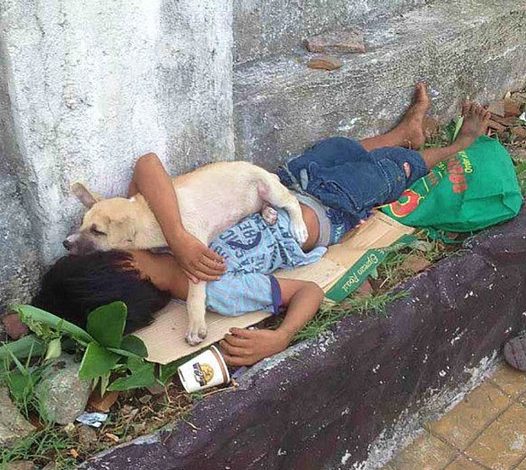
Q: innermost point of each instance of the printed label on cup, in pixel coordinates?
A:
(207, 369)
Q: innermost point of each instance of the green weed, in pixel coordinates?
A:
(49, 444)
(331, 313)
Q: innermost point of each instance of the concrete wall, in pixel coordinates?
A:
(472, 48)
(274, 27)
(87, 86)
(19, 264)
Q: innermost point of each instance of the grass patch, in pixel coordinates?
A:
(50, 444)
(130, 417)
(331, 313)
(391, 273)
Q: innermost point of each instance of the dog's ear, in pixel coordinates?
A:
(84, 195)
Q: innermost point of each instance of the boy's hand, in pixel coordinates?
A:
(246, 347)
(199, 262)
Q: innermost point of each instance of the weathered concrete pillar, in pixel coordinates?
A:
(91, 85)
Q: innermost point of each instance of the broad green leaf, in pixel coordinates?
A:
(131, 346)
(133, 364)
(94, 383)
(123, 352)
(97, 361)
(43, 331)
(106, 324)
(54, 349)
(20, 386)
(29, 313)
(24, 347)
(22, 380)
(167, 371)
(21, 368)
(135, 345)
(142, 375)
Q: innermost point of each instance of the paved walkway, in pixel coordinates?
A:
(487, 430)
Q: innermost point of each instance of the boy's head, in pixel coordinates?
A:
(76, 285)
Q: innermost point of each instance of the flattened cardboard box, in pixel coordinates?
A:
(164, 338)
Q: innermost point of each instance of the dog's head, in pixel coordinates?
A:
(109, 224)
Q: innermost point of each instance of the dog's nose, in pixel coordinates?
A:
(67, 244)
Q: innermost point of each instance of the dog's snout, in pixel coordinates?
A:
(67, 244)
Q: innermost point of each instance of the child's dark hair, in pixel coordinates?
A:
(76, 285)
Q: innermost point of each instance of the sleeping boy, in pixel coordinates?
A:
(338, 182)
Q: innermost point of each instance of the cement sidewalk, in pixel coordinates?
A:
(487, 430)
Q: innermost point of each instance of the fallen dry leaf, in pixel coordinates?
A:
(364, 290)
(145, 399)
(156, 389)
(112, 437)
(14, 326)
(69, 429)
(102, 404)
(497, 126)
(415, 264)
(497, 107)
(519, 132)
(505, 121)
(512, 108)
(518, 153)
(87, 437)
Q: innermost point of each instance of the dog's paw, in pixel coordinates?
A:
(299, 231)
(202, 332)
(196, 334)
(269, 214)
(193, 338)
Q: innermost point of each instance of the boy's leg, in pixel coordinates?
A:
(409, 131)
(476, 120)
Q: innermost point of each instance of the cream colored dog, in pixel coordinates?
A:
(211, 199)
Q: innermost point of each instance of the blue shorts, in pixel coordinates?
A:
(342, 175)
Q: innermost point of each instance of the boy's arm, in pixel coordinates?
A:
(246, 347)
(152, 181)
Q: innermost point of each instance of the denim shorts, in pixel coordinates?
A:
(345, 177)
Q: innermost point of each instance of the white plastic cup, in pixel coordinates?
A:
(205, 370)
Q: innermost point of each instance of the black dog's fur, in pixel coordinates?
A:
(76, 285)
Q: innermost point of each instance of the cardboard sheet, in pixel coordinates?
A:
(164, 338)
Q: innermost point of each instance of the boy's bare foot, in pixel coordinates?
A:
(476, 120)
(411, 126)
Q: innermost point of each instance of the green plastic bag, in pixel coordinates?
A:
(474, 190)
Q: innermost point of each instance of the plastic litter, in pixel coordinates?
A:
(94, 420)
